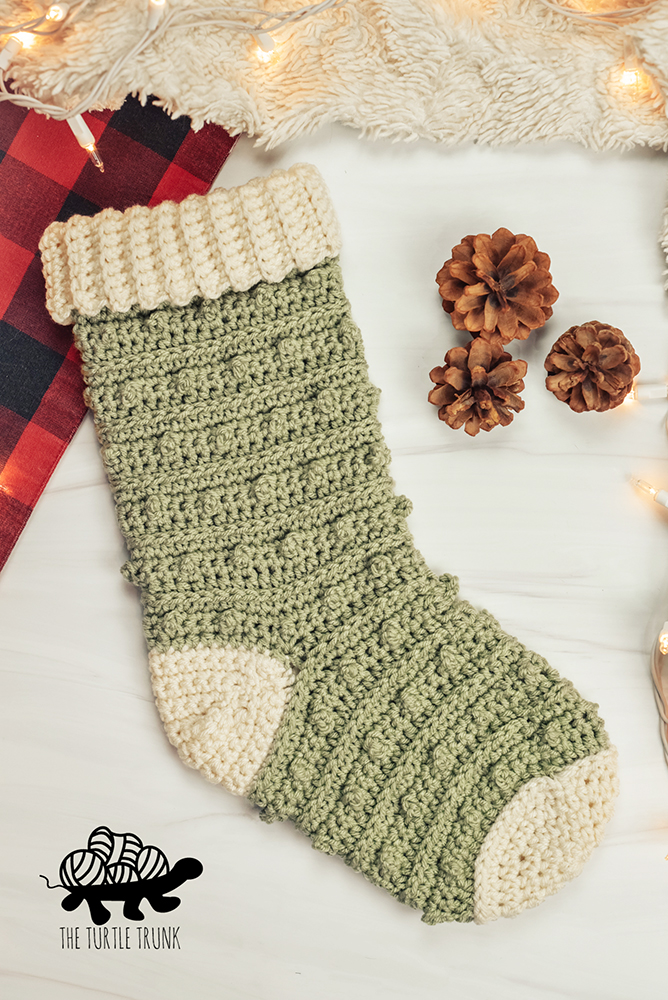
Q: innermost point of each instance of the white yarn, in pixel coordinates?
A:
(544, 836)
(221, 708)
(206, 245)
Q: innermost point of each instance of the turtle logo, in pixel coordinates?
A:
(117, 866)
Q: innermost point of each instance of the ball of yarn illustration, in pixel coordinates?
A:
(151, 863)
(113, 847)
(101, 841)
(82, 868)
(112, 859)
(121, 872)
(129, 849)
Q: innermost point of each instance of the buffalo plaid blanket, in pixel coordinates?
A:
(45, 175)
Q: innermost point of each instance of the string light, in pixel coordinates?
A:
(656, 667)
(34, 26)
(10, 49)
(658, 496)
(58, 12)
(26, 38)
(631, 78)
(60, 16)
(595, 12)
(636, 82)
(160, 18)
(642, 391)
(86, 140)
(16, 41)
(265, 46)
(156, 9)
(662, 640)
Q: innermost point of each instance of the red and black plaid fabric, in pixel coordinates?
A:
(45, 175)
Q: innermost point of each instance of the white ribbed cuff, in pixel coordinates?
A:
(204, 246)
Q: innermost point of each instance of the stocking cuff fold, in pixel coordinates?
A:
(206, 245)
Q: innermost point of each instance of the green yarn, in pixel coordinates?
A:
(251, 482)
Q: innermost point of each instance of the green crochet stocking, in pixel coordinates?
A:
(302, 652)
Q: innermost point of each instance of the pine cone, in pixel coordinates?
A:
(591, 367)
(478, 386)
(498, 286)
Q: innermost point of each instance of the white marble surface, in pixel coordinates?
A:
(537, 520)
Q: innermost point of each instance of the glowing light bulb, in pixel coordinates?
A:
(19, 40)
(25, 38)
(633, 82)
(630, 77)
(265, 46)
(95, 157)
(645, 488)
(658, 496)
(58, 12)
(630, 397)
(86, 140)
(663, 640)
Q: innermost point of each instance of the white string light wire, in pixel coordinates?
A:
(252, 20)
(633, 75)
(256, 22)
(614, 17)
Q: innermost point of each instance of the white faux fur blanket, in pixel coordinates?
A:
(453, 71)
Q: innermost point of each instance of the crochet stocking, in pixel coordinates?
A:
(302, 652)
